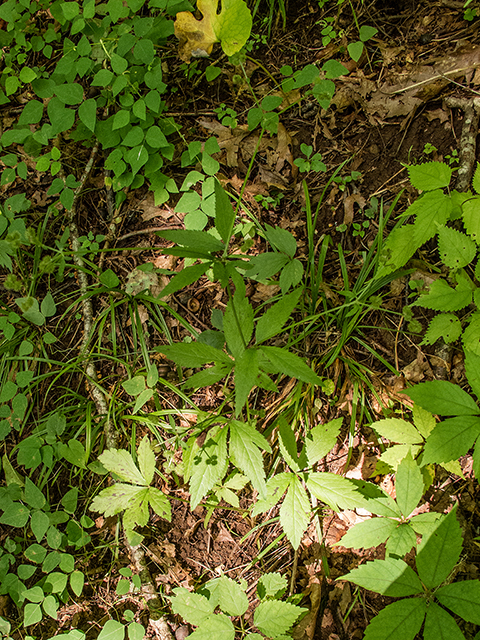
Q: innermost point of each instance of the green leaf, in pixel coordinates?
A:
(334, 69)
(199, 240)
(146, 460)
(87, 112)
(69, 93)
(39, 524)
(400, 620)
(288, 363)
(184, 278)
(295, 513)
(321, 439)
(366, 32)
(115, 499)
(432, 210)
(15, 515)
(156, 138)
(224, 213)
(424, 523)
(274, 617)
(77, 581)
(288, 444)
(215, 626)
(102, 78)
(194, 354)
(472, 370)
(276, 487)
(266, 265)
(208, 376)
(338, 492)
(390, 577)
(245, 442)
(209, 465)
(160, 503)
(33, 496)
(112, 630)
(121, 463)
(271, 585)
(238, 323)
(35, 553)
(231, 597)
(355, 50)
(192, 607)
(439, 551)
(397, 430)
(471, 217)
(397, 249)
(430, 175)
(439, 625)
(272, 321)
(246, 373)
(443, 398)
(444, 325)
(442, 297)
(463, 598)
(32, 614)
(401, 541)
(408, 485)
(456, 249)
(369, 533)
(451, 439)
(50, 606)
(32, 113)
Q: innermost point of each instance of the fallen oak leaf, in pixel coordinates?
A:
(231, 27)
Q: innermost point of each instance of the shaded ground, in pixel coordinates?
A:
(376, 144)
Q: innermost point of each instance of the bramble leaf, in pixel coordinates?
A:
(442, 297)
(401, 541)
(443, 325)
(115, 499)
(208, 465)
(192, 607)
(274, 617)
(430, 175)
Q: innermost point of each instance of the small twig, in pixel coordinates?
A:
(471, 108)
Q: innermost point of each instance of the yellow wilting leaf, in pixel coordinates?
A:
(231, 27)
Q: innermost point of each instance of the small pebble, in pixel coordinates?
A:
(182, 632)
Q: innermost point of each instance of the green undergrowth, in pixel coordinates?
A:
(98, 370)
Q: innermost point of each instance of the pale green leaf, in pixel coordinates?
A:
(476, 179)
(400, 620)
(401, 541)
(369, 533)
(32, 614)
(444, 325)
(408, 485)
(338, 492)
(233, 25)
(430, 175)
(209, 465)
(443, 297)
(432, 209)
(451, 439)
(245, 441)
(231, 597)
(77, 581)
(423, 420)
(424, 523)
(137, 512)
(192, 607)
(397, 430)
(295, 512)
(439, 551)
(274, 617)
(218, 626)
(160, 503)
(455, 248)
(439, 625)
(395, 454)
(112, 630)
(114, 499)
(146, 460)
(397, 249)
(321, 440)
(288, 443)
(276, 487)
(443, 398)
(121, 463)
(271, 585)
(471, 334)
(463, 598)
(390, 577)
(471, 217)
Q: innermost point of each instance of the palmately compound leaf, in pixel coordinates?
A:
(115, 499)
(439, 625)
(274, 617)
(295, 512)
(272, 321)
(390, 577)
(136, 512)
(193, 354)
(442, 297)
(439, 551)
(121, 463)
(276, 487)
(397, 452)
(244, 447)
(451, 439)
(338, 492)
(398, 621)
(430, 175)
(146, 460)
(423, 420)
(288, 363)
(208, 465)
(369, 533)
(444, 325)
(397, 430)
(231, 597)
(217, 626)
(456, 249)
(192, 607)
(424, 523)
(408, 485)
(231, 27)
(463, 598)
(443, 398)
